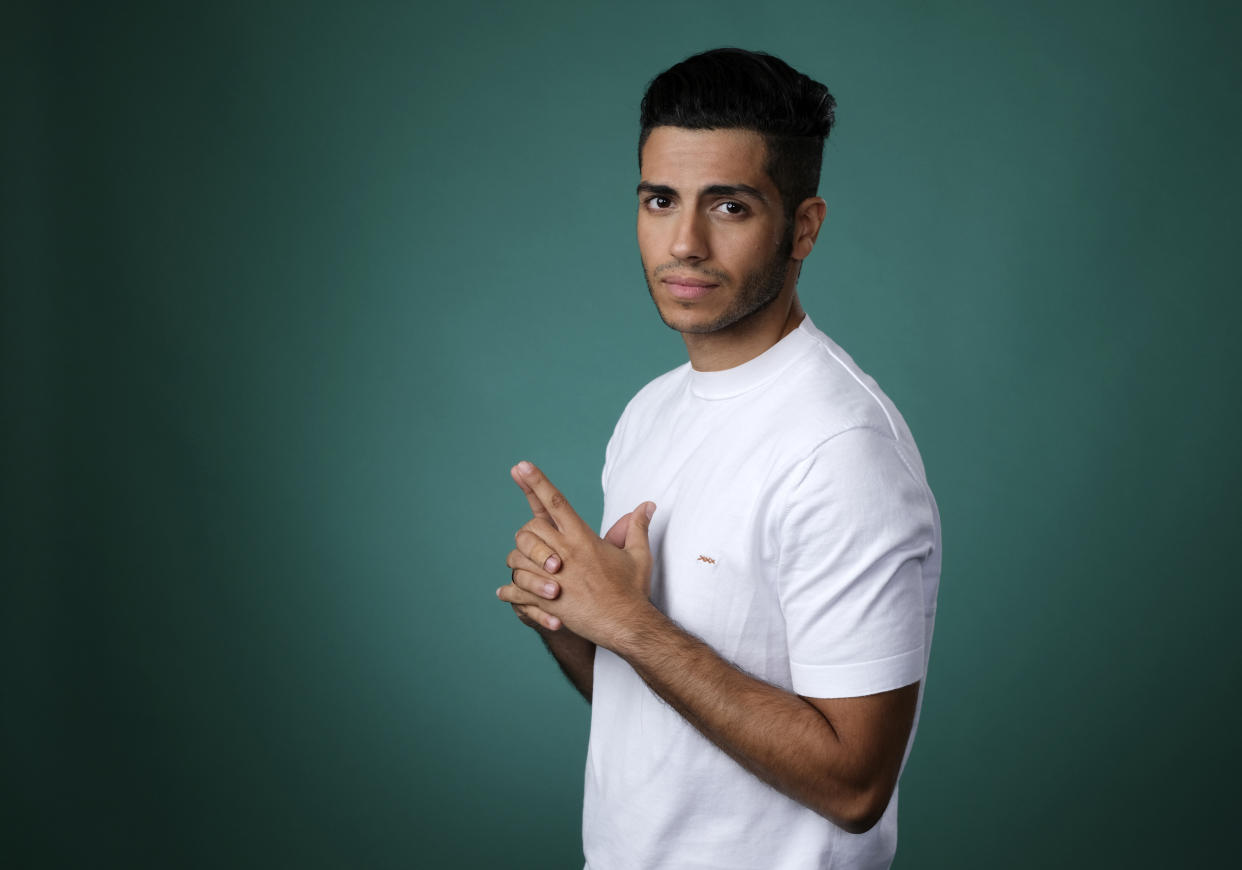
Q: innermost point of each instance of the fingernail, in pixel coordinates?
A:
(525, 467)
(549, 589)
(650, 509)
(554, 623)
(552, 564)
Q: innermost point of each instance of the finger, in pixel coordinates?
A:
(520, 597)
(544, 529)
(527, 576)
(519, 610)
(565, 517)
(520, 561)
(616, 535)
(537, 508)
(537, 550)
(640, 522)
(536, 618)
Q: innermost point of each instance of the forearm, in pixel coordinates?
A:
(776, 735)
(575, 655)
(838, 756)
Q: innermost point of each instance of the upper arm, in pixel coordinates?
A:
(854, 536)
(871, 732)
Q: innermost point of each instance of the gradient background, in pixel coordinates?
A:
(288, 287)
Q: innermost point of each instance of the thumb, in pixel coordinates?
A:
(616, 535)
(640, 521)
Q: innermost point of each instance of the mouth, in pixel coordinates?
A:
(687, 287)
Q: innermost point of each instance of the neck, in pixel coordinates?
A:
(746, 339)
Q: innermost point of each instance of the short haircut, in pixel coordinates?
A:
(731, 88)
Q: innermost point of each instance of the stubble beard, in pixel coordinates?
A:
(759, 290)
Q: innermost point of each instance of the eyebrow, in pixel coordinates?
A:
(710, 190)
(655, 189)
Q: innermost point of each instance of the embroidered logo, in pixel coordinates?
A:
(708, 559)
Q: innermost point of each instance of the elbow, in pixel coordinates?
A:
(859, 823)
(860, 812)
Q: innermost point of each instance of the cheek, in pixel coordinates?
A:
(751, 254)
(648, 247)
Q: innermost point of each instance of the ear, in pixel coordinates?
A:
(807, 220)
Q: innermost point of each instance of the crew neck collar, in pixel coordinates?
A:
(754, 372)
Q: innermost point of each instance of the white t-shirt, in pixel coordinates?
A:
(795, 533)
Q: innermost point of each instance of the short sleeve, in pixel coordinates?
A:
(856, 529)
(613, 447)
(610, 460)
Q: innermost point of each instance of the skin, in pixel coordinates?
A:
(708, 211)
(708, 215)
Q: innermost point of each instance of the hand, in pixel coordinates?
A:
(602, 585)
(532, 550)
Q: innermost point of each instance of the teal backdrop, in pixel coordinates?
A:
(287, 288)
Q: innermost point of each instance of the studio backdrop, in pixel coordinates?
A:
(288, 287)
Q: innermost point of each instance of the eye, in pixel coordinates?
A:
(732, 208)
(658, 203)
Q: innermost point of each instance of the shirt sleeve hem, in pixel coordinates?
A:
(856, 680)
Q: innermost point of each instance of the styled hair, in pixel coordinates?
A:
(731, 88)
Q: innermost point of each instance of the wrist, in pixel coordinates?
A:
(637, 630)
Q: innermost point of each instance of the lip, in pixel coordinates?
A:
(686, 287)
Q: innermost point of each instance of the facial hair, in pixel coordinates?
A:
(758, 290)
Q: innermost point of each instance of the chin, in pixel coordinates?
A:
(697, 320)
(685, 318)
(694, 323)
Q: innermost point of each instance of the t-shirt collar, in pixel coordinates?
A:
(754, 372)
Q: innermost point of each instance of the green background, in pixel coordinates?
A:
(288, 287)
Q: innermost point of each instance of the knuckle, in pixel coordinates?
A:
(557, 500)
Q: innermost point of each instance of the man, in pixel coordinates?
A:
(753, 650)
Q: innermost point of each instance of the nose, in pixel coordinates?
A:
(689, 242)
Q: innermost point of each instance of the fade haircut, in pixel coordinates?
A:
(731, 88)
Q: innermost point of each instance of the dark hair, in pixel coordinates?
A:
(733, 88)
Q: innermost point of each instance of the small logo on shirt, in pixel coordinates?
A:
(708, 559)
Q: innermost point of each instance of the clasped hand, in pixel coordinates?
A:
(565, 574)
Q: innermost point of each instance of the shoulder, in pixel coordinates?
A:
(848, 451)
(655, 398)
(647, 405)
(661, 388)
(837, 393)
(825, 394)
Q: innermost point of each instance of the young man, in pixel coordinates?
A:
(753, 650)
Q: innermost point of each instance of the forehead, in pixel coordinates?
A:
(685, 159)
